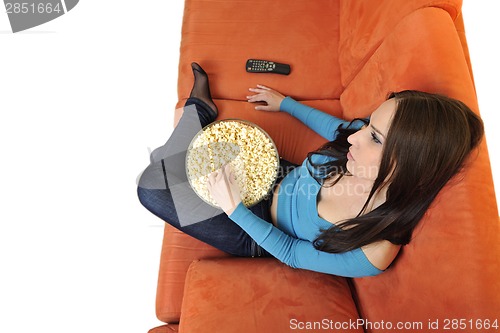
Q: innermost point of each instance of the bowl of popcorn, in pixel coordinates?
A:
(246, 147)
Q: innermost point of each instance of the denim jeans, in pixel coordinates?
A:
(165, 191)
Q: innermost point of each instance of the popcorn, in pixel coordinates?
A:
(248, 149)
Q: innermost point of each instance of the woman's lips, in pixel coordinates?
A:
(349, 156)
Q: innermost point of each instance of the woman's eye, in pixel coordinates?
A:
(375, 138)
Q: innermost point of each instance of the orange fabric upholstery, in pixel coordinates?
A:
(165, 329)
(365, 24)
(259, 295)
(346, 56)
(449, 246)
(424, 60)
(222, 35)
(178, 251)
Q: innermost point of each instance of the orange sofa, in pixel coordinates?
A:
(346, 56)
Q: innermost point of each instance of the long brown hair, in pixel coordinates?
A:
(429, 139)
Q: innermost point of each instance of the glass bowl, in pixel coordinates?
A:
(248, 149)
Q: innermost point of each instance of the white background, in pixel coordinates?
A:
(82, 100)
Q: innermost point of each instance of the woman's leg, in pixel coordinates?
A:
(218, 231)
(168, 168)
(165, 191)
(199, 111)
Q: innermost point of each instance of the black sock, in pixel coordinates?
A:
(201, 90)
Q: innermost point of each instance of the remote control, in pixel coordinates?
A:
(266, 66)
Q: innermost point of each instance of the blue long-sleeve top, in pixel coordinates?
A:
(298, 221)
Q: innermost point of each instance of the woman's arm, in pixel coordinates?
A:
(299, 253)
(294, 252)
(322, 123)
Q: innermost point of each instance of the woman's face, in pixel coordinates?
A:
(365, 153)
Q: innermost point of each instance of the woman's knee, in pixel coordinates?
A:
(144, 196)
(156, 201)
(153, 177)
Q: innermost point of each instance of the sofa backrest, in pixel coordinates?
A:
(222, 35)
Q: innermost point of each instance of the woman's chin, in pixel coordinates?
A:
(361, 172)
(349, 166)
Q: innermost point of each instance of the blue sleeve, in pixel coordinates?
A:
(322, 123)
(299, 253)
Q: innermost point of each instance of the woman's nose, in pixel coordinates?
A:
(352, 138)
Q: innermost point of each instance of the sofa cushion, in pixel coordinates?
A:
(263, 295)
(364, 24)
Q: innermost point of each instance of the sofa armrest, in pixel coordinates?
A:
(364, 24)
(178, 251)
(264, 295)
(422, 52)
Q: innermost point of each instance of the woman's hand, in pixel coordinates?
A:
(224, 189)
(264, 94)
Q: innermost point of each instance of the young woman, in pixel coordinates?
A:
(348, 208)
